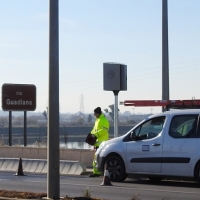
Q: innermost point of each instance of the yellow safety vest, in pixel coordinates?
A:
(101, 129)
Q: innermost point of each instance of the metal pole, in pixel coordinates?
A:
(10, 128)
(53, 153)
(116, 113)
(165, 56)
(25, 128)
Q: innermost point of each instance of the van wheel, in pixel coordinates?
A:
(116, 169)
(197, 173)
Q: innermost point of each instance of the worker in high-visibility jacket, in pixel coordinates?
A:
(101, 131)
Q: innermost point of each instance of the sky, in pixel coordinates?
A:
(93, 32)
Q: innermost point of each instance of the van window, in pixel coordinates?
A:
(150, 128)
(183, 126)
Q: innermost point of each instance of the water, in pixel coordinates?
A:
(68, 145)
(76, 145)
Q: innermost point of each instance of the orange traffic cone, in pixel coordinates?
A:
(20, 169)
(106, 177)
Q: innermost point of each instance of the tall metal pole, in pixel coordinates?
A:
(165, 56)
(53, 154)
(116, 113)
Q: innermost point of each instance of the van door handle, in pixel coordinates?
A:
(155, 144)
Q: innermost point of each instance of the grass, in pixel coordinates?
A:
(22, 195)
(32, 195)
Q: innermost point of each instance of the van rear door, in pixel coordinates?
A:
(181, 147)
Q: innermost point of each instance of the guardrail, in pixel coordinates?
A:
(39, 166)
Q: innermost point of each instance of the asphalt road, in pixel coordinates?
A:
(140, 189)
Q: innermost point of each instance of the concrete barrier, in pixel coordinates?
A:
(84, 156)
(40, 166)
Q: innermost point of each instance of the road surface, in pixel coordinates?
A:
(74, 186)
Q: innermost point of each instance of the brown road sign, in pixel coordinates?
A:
(18, 97)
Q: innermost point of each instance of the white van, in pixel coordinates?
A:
(161, 146)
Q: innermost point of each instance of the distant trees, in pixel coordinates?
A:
(32, 120)
(18, 121)
(3, 122)
(80, 121)
(89, 118)
(112, 111)
(70, 119)
(45, 114)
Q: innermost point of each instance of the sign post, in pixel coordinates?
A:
(115, 79)
(18, 97)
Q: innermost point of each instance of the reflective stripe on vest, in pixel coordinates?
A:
(103, 127)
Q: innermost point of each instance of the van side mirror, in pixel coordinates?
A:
(133, 136)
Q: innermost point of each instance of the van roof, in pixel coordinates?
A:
(177, 111)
